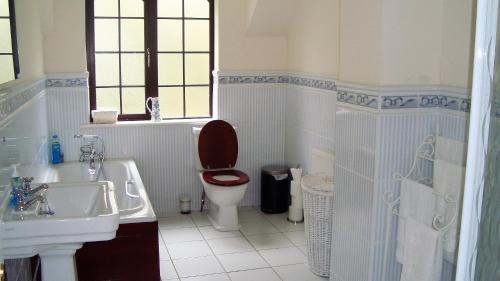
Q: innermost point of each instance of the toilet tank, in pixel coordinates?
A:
(196, 135)
(323, 161)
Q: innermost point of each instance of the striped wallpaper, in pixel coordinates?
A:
(371, 147)
(280, 123)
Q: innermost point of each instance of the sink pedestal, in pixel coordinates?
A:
(58, 263)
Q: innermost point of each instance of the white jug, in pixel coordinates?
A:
(154, 110)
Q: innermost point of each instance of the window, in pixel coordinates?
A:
(9, 62)
(153, 48)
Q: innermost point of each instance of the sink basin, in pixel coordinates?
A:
(83, 212)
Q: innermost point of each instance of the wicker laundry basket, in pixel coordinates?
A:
(318, 217)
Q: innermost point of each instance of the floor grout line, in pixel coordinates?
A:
(260, 216)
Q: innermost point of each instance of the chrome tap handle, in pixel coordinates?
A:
(27, 184)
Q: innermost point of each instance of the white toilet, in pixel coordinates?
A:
(216, 152)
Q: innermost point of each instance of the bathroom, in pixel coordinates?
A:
(376, 86)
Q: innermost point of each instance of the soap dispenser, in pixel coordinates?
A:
(15, 184)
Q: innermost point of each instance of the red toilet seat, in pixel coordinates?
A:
(209, 176)
(217, 146)
(218, 152)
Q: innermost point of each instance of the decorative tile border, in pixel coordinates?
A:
(313, 83)
(11, 101)
(359, 99)
(387, 102)
(366, 97)
(248, 79)
(426, 101)
(284, 79)
(67, 82)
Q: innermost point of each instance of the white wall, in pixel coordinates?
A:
(64, 38)
(313, 38)
(359, 41)
(410, 45)
(384, 42)
(239, 51)
(458, 42)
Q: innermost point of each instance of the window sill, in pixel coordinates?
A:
(120, 124)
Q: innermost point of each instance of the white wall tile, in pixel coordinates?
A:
(257, 110)
(310, 122)
(23, 139)
(356, 140)
(67, 108)
(164, 154)
(23, 136)
(375, 146)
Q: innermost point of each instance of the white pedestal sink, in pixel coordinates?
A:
(83, 212)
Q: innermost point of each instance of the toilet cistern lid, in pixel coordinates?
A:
(218, 145)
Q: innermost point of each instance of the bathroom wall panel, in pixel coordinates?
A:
(310, 122)
(164, 153)
(23, 136)
(454, 125)
(68, 108)
(374, 145)
(351, 242)
(356, 140)
(382, 217)
(400, 134)
(257, 110)
(23, 139)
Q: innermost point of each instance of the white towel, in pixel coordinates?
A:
(449, 150)
(449, 179)
(423, 258)
(417, 201)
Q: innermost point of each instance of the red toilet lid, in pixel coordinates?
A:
(218, 145)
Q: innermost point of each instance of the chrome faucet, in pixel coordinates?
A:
(27, 196)
(89, 152)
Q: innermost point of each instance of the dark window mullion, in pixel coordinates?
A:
(13, 38)
(151, 42)
(90, 34)
(118, 86)
(185, 52)
(211, 55)
(114, 18)
(119, 55)
(118, 52)
(183, 63)
(182, 18)
(194, 85)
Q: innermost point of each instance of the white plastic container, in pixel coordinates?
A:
(185, 204)
(105, 116)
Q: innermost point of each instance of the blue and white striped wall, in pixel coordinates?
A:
(279, 119)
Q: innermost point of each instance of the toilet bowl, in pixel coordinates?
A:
(216, 152)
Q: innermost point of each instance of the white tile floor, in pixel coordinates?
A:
(267, 247)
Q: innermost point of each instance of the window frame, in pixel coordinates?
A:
(13, 38)
(151, 72)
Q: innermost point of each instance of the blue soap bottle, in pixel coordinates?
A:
(56, 150)
(15, 183)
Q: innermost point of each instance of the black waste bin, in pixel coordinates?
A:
(275, 189)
